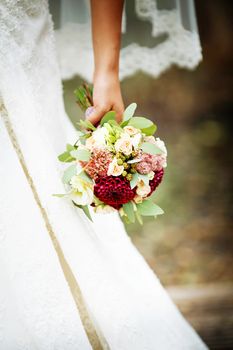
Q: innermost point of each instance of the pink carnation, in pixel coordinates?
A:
(150, 163)
(98, 163)
(159, 162)
(144, 168)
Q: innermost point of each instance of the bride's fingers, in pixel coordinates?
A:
(119, 113)
(96, 114)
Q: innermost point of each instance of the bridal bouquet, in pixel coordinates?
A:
(114, 166)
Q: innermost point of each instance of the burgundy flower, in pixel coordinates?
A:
(156, 181)
(113, 190)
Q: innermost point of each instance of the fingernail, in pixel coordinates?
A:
(89, 111)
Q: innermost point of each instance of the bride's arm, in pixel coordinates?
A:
(106, 34)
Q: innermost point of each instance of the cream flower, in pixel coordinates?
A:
(138, 199)
(97, 139)
(124, 144)
(130, 130)
(142, 189)
(151, 175)
(82, 191)
(115, 169)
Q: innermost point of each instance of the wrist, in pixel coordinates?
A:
(106, 72)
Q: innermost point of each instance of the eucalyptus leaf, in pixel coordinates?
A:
(81, 154)
(69, 147)
(129, 211)
(86, 124)
(150, 148)
(138, 217)
(108, 116)
(69, 173)
(66, 157)
(148, 208)
(85, 177)
(85, 210)
(129, 112)
(150, 130)
(140, 122)
(59, 195)
(134, 180)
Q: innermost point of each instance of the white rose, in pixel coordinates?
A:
(90, 143)
(131, 130)
(142, 189)
(136, 139)
(82, 191)
(115, 169)
(97, 139)
(124, 144)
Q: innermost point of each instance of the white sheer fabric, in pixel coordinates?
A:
(126, 303)
(167, 29)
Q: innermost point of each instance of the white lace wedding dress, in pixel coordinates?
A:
(64, 283)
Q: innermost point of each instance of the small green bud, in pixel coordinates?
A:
(133, 154)
(129, 177)
(124, 173)
(111, 138)
(126, 165)
(133, 170)
(119, 161)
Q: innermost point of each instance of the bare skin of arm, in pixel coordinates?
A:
(106, 36)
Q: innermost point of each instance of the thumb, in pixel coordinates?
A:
(95, 114)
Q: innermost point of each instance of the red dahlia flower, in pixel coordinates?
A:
(113, 190)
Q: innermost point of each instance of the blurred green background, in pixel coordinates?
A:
(192, 243)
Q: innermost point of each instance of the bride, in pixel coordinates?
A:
(66, 283)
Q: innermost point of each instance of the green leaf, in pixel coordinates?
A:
(69, 147)
(150, 130)
(129, 112)
(150, 148)
(86, 124)
(140, 122)
(138, 217)
(148, 208)
(129, 211)
(85, 177)
(108, 116)
(69, 173)
(81, 154)
(85, 210)
(59, 195)
(84, 95)
(134, 180)
(66, 157)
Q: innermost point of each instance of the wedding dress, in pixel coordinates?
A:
(65, 283)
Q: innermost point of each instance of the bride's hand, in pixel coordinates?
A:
(106, 97)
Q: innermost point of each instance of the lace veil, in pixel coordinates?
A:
(155, 35)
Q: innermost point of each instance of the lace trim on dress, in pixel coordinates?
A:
(180, 47)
